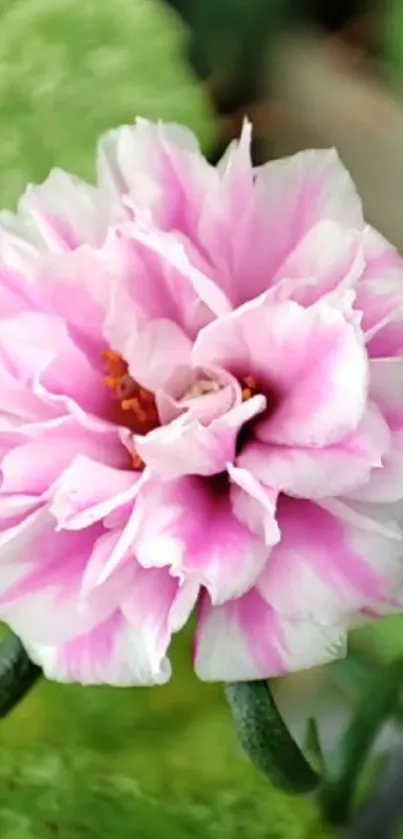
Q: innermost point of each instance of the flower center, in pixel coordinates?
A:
(249, 388)
(201, 387)
(136, 405)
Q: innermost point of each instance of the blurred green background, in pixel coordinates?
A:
(100, 763)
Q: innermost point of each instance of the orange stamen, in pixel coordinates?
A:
(139, 410)
(137, 462)
(249, 389)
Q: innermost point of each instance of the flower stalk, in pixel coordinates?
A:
(266, 738)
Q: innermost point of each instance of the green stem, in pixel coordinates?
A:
(266, 739)
(17, 674)
(343, 767)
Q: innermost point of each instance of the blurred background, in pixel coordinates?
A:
(139, 764)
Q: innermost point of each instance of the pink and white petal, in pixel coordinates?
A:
(385, 485)
(112, 653)
(384, 338)
(328, 261)
(63, 212)
(381, 257)
(40, 356)
(104, 547)
(204, 394)
(31, 340)
(228, 209)
(151, 277)
(18, 249)
(386, 388)
(154, 353)
(76, 287)
(380, 296)
(186, 447)
(20, 406)
(306, 188)
(330, 562)
(122, 518)
(138, 291)
(246, 639)
(33, 464)
(161, 168)
(187, 274)
(322, 472)
(70, 375)
(15, 508)
(312, 362)
(157, 606)
(16, 295)
(89, 490)
(41, 575)
(190, 526)
(290, 196)
(254, 504)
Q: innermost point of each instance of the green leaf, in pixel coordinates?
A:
(17, 674)
(266, 739)
(312, 745)
(344, 766)
(369, 779)
(355, 675)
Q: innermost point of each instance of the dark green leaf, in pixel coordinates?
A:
(312, 745)
(344, 766)
(17, 674)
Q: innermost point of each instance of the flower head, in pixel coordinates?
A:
(202, 408)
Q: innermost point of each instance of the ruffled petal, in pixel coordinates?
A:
(323, 472)
(190, 526)
(34, 462)
(246, 639)
(88, 491)
(158, 171)
(112, 653)
(41, 573)
(300, 358)
(63, 212)
(332, 560)
(186, 447)
(271, 212)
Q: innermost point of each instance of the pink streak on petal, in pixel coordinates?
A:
(246, 640)
(190, 526)
(324, 568)
(322, 472)
(88, 491)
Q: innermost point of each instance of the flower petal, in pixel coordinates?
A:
(246, 639)
(312, 361)
(112, 653)
(288, 198)
(35, 462)
(63, 212)
(190, 526)
(186, 447)
(41, 575)
(331, 561)
(322, 472)
(88, 491)
(156, 351)
(160, 168)
(328, 259)
(254, 504)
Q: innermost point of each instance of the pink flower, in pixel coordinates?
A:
(201, 375)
